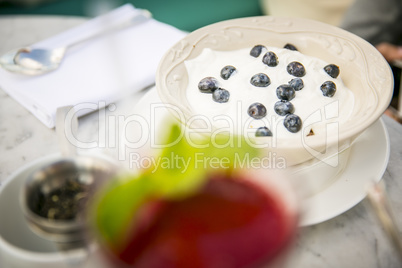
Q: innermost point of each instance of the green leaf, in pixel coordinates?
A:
(180, 170)
(117, 205)
(177, 174)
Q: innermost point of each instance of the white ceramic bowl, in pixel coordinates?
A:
(363, 70)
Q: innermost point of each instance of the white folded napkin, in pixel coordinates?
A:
(97, 72)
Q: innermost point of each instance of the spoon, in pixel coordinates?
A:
(37, 61)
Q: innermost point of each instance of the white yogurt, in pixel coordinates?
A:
(316, 111)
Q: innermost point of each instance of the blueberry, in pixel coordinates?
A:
(221, 95)
(292, 123)
(256, 50)
(296, 68)
(285, 92)
(328, 89)
(257, 110)
(263, 132)
(270, 59)
(284, 107)
(290, 47)
(297, 84)
(332, 70)
(208, 84)
(227, 71)
(260, 80)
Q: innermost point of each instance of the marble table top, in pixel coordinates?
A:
(352, 239)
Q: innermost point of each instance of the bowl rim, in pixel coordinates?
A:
(175, 56)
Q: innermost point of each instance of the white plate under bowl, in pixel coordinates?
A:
(367, 162)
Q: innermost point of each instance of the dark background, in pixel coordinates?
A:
(186, 15)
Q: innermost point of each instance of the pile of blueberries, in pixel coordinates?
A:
(285, 92)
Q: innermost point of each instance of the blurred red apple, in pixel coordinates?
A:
(229, 222)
